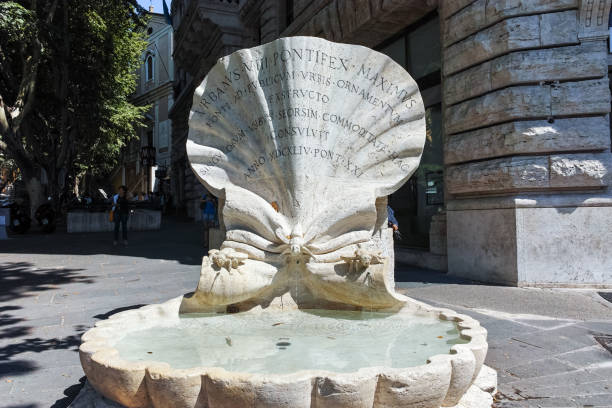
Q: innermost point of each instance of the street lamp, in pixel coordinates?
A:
(147, 160)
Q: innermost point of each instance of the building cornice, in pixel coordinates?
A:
(328, 19)
(153, 94)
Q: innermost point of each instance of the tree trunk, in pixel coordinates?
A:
(35, 192)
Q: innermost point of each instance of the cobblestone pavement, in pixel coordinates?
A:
(550, 347)
(547, 345)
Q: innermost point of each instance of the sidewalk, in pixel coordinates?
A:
(550, 347)
(544, 343)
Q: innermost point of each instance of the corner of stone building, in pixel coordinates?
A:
(482, 244)
(527, 240)
(527, 142)
(567, 244)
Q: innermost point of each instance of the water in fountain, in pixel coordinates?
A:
(276, 343)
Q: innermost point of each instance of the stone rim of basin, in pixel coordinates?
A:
(442, 380)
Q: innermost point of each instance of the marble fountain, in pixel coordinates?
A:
(302, 140)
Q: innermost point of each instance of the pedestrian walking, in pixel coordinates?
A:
(121, 212)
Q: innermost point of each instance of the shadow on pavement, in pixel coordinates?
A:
(16, 367)
(409, 275)
(38, 345)
(70, 394)
(23, 406)
(19, 280)
(177, 240)
(72, 391)
(22, 279)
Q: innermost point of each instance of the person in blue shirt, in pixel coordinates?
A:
(393, 223)
(209, 214)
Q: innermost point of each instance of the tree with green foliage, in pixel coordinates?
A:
(67, 68)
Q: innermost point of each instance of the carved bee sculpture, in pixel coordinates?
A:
(362, 259)
(296, 249)
(227, 258)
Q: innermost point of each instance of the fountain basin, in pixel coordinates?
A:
(284, 358)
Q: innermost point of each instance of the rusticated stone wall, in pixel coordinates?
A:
(526, 94)
(528, 165)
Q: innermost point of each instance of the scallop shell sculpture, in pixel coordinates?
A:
(299, 138)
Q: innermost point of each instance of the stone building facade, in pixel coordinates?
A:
(514, 185)
(154, 88)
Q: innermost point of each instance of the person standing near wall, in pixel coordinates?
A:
(209, 209)
(121, 212)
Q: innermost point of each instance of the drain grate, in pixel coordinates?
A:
(606, 295)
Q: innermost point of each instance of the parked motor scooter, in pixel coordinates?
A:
(20, 220)
(45, 216)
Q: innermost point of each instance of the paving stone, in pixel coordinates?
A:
(586, 389)
(587, 356)
(547, 324)
(508, 353)
(568, 379)
(603, 370)
(505, 329)
(512, 396)
(599, 400)
(539, 368)
(552, 402)
(16, 368)
(599, 326)
(50, 355)
(558, 340)
(505, 377)
(512, 404)
(50, 381)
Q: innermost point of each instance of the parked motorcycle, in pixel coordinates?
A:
(20, 220)
(45, 216)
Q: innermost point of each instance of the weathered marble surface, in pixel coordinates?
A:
(300, 137)
(528, 137)
(479, 395)
(532, 246)
(442, 381)
(546, 100)
(450, 7)
(583, 61)
(525, 173)
(483, 13)
(527, 95)
(513, 34)
(302, 140)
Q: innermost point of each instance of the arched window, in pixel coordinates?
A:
(149, 68)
